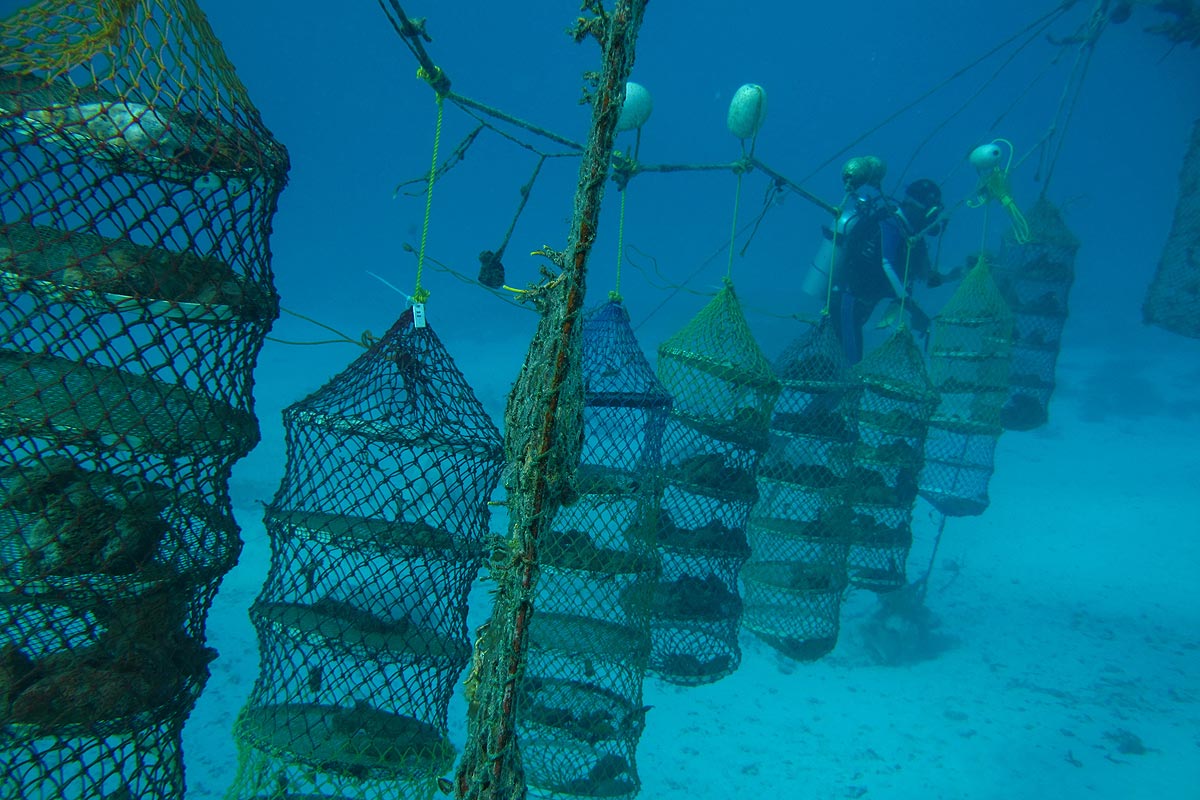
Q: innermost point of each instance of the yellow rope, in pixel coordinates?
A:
(908, 248)
(737, 200)
(420, 294)
(832, 263)
(983, 236)
(837, 223)
(1020, 224)
(996, 186)
(615, 294)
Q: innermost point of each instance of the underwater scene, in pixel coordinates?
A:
(605, 399)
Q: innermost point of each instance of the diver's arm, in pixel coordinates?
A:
(894, 248)
(936, 278)
(890, 273)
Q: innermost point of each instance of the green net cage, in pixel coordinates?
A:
(724, 392)
(1173, 299)
(971, 351)
(138, 189)
(893, 415)
(581, 711)
(1036, 278)
(377, 532)
(796, 577)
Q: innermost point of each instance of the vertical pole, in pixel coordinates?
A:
(923, 589)
(543, 436)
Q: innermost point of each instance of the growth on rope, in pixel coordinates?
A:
(543, 444)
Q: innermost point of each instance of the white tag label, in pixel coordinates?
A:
(418, 315)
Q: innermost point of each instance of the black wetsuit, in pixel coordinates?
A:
(861, 283)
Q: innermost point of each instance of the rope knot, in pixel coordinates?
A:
(743, 165)
(437, 80)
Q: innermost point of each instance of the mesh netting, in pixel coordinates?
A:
(724, 392)
(1035, 278)
(138, 188)
(581, 712)
(376, 534)
(893, 420)
(796, 575)
(1173, 300)
(969, 365)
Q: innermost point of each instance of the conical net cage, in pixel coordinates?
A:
(724, 392)
(377, 532)
(969, 364)
(581, 711)
(796, 576)
(1036, 279)
(1173, 299)
(138, 188)
(893, 415)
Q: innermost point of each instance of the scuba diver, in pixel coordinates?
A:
(877, 254)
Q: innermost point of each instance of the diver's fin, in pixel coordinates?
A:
(891, 315)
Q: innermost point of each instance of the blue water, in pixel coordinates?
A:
(1072, 602)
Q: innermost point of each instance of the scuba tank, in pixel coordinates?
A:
(832, 251)
(858, 172)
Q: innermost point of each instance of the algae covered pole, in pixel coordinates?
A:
(544, 434)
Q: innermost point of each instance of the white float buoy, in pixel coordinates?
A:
(986, 157)
(747, 110)
(636, 109)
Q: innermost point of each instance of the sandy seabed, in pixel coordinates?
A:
(1060, 658)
